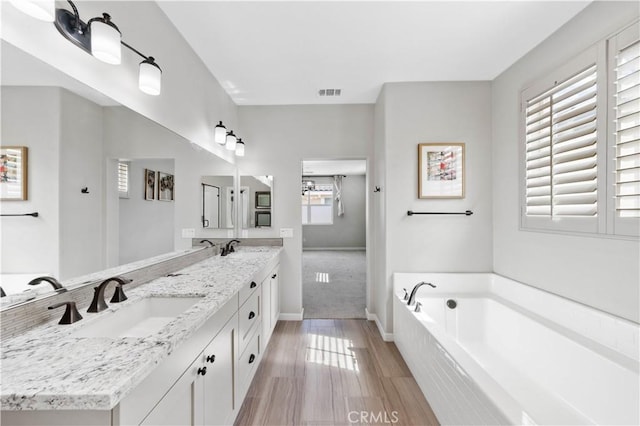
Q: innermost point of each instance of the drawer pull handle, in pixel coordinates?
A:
(202, 371)
(253, 284)
(252, 315)
(274, 276)
(252, 358)
(211, 358)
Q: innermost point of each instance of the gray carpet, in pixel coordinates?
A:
(334, 284)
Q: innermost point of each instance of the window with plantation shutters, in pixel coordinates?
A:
(562, 161)
(624, 59)
(123, 180)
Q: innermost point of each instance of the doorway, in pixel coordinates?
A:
(334, 256)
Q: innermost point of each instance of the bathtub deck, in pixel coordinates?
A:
(316, 372)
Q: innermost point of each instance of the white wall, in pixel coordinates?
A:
(81, 165)
(277, 139)
(434, 112)
(146, 227)
(31, 118)
(600, 272)
(192, 100)
(347, 231)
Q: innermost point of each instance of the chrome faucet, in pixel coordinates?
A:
(412, 297)
(55, 283)
(98, 304)
(228, 248)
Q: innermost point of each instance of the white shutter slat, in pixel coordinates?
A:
(580, 198)
(540, 143)
(628, 68)
(539, 210)
(628, 162)
(540, 190)
(577, 176)
(629, 188)
(629, 148)
(575, 154)
(628, 135)
(574, 166)
(539, 200)
(539, 172)
(628, 54)
(540, 181)
(576, 187)
(575, 132)
(630, 175)
(579, 116)
(628, 108)
(628, 94)
(576, 210)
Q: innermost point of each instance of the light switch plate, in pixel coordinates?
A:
(188, 233)
(286, 232)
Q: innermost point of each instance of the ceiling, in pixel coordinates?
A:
(279, 53)
(334, 167)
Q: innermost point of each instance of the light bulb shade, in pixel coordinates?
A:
(240, 148)
(150, 77)
(220, 134)
(105, 40)
(44, 10)
(231, 141)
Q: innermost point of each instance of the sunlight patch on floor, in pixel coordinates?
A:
(332, 351)
(322, 277)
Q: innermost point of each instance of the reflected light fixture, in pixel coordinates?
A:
(231, 141)
(99, 37)
(220, 134)
(43, 10)
(240, 148)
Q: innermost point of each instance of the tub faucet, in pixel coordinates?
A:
(228, 248)
(412, 297)
(55, 283)
(98, 304)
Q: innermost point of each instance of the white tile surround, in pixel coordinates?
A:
(46, 368)
(467, 387)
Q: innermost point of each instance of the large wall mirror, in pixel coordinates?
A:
(255, 203)
(100, 176)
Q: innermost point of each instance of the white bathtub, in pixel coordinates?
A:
(511, 354)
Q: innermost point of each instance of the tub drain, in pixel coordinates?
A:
(451, 304)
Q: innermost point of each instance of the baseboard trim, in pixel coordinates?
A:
(291, 317)
(334, 249)
(387, 337)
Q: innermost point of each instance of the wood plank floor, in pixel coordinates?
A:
(333, 372)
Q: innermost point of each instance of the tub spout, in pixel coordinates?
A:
(412, 297)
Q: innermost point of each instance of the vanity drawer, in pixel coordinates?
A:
(247, 290)
(248, 316)
(248, 361)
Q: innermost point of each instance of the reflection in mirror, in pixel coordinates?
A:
(218, 202)
(256, 194)
(86, 224)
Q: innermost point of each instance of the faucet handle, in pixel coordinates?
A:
(418, 305)
(71, 313)
(406, 295)
(118, 294)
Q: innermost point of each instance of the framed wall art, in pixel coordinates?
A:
(165, 186)
(149, 184)
(13, 173)
(441, 170)
(263, 199)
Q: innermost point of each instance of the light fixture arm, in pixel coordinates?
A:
(148, 59)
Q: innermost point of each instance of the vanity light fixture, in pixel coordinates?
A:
(240, 148)
(44, 10)
(105, 40)
(231, 141)
(220, 134)
(99, 37)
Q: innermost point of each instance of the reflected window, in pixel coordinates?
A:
(123, 180)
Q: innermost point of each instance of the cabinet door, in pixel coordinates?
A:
(218, 398)
(182, 405)
(275, 296)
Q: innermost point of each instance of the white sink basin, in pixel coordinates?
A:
(141, 319)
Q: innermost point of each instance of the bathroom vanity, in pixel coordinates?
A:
(188, 358)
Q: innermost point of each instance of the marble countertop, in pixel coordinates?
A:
(49, 369)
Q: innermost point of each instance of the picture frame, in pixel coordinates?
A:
(165, 186)
(14, 164)
(263, 219)
(149, 184)
(263, 199)
(441, 170)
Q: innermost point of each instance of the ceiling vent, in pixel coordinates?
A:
(329, 92)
